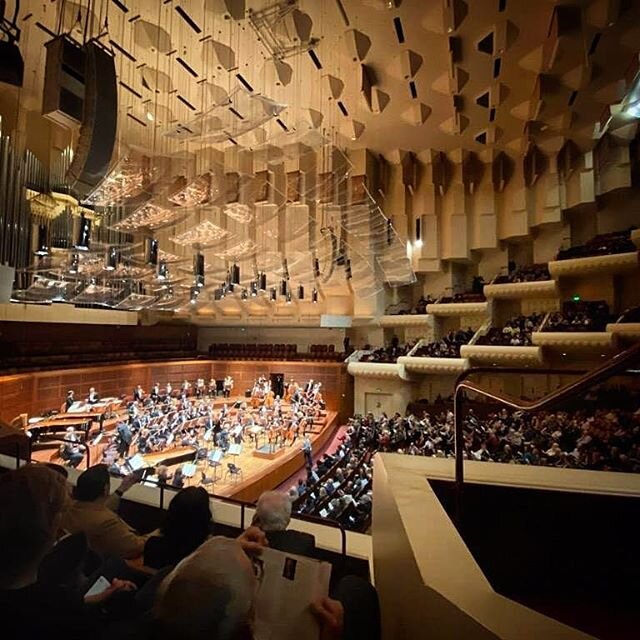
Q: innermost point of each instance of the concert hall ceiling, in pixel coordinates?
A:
(380, 74)
(300, 105)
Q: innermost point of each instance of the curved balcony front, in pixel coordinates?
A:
(427, 365)
(458, 309)
(375, 369)
(521, 290)
(609, 264)
(508, 356)
(572, 339)
(408, 320)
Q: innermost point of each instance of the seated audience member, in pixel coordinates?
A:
(273, 514)
(210, 595)
(187, 525)
(32, 500)
(93, 512)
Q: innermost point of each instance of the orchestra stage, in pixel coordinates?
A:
(263, 465)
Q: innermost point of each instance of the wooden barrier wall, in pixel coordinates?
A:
(36, 392)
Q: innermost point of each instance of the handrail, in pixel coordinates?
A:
(615, 364)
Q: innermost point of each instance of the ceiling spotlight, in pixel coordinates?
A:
(300, 292)
(262, 281)
(84, 233)
(163, 270)
(316, 268)
(111, 259)
(43, 245)
(195, 292)
(74, 264)
(151, 251)
(254, 289)
(198, 269)
(289, 297)
(283, 287)
(273, 294)
(150, 117)
(244, 295)
(314, 296)
(235, 274)
(418, 244)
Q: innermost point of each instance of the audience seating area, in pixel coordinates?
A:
(600, 245)
(447, 347)
(529, 273)
(252, 351)
(516, 332)
(389, 354)
(34, 345)
(579, 317)
(340, 485)
(462, 297)
(404, 308)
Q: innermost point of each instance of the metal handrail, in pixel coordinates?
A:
(244, 505)
(588, 379)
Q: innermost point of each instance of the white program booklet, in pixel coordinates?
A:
(288, 584)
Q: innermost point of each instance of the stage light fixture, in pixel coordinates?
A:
(314, 296)
(289, 297)
(151, 251)
(195, 292)
(284, 288)
(111, 259)
(84, 234)
(74, 263)
(254, 289)
(163, 270)
(300, 292)
(347, 269)
(198, 269)
(316, 268)
(244, 295)
(235, 274)
(43, 245)
(262, 279)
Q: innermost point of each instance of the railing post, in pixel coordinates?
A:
(161, 495)
(343, 535)
(242, 516)
(459, 453)
(17, 455)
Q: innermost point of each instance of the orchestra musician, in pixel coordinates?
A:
(93, 397)
(184, 389)
(71, 451)
(159, 422)
(69, 400)
(227, 386)
(213, 388)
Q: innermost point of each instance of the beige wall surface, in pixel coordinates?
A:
(429, 583)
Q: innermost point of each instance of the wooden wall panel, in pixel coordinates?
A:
(34, 393)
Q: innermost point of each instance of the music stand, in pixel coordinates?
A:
(215, 460)
(189, 469)
(235, 450)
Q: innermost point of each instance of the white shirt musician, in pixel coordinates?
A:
(93, 397)
(227, 386)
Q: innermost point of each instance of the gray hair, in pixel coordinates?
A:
(273, 511)
(208, 595)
